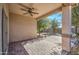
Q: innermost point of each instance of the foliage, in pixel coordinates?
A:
(75, 20)
(54, 25)
(75, 17)
(42, 24)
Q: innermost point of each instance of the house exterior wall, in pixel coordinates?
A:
(22, 27)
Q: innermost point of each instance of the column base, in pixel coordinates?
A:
(66, 43)
(64, 52)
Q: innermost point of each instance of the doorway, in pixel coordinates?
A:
(4, 33)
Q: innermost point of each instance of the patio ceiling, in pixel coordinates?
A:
(43, 8)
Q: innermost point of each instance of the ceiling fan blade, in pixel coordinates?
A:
(35, 12)
(35, 9)
(31, 14)
(25, 13)
(23, 6)
(23, 9)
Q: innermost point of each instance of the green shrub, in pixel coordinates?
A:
(77, 34)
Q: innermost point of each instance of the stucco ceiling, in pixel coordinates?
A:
(43, 8)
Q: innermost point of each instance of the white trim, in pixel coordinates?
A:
(0, 28)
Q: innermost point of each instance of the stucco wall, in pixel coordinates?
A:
(22, 27)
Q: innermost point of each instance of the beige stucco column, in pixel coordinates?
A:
(66, 27)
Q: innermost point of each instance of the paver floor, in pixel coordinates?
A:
(50, 45)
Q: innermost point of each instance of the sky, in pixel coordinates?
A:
(57, 16)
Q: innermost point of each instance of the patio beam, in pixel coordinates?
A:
(66, 28)
(59, 9)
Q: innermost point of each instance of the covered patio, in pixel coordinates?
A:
(22, 30)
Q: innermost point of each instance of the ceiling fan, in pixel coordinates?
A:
(28, 10)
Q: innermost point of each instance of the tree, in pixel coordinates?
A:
(42, 24)
(75, 17)
(54, 25)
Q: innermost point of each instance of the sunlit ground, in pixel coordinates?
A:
(50, 45)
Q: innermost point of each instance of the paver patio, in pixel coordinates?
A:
(49, 45)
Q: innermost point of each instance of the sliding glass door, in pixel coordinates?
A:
(4, 32)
